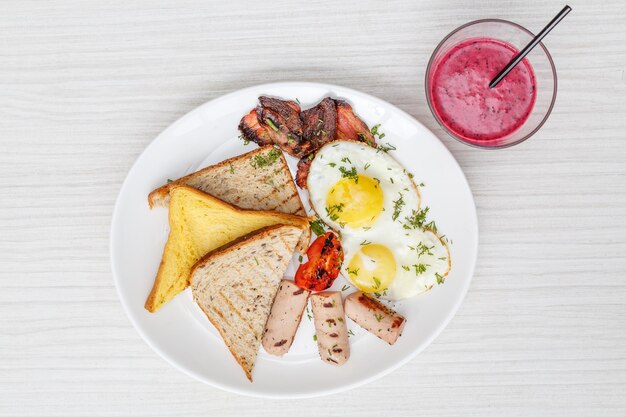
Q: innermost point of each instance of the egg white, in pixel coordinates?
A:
(394, 180)
(401, 199)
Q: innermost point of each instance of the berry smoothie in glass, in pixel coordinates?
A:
(458, 92)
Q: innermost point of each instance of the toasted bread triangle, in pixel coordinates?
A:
(235, 286)
(200, 223)
(257, 180)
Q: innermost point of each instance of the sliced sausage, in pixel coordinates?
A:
(284, 318)
(374, 317)
(330, 327)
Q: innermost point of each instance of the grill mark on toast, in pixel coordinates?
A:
(205, 177)
(294, 196)
(289, 198)
(259, 282)
(265, 197)
(268, 267)
(234, 309)
(219, 314)
(241, 296)
(287, 247)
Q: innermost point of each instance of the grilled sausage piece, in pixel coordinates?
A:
(330, 327)
(374, 317)
(284, 318)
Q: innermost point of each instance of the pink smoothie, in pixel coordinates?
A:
(462, 99)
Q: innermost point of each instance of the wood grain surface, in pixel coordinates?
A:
(86, 85)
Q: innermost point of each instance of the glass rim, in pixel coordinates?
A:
(431, 62)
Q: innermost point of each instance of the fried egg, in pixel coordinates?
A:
(372, 202)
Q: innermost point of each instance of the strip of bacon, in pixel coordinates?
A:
(302, 133)
(320, 123)
(350, 126)
(278, 122)
(304, 165)
(252, 130)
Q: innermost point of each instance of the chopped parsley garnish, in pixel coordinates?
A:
(391, 179)
(376, 283)
(260, 161)
(321, 132)
(346, 160)
(345, 287)
(378, 295)
(431, 226)
(378, 317)
(366, 228)
(232, 169)
(256, 260)
(386, 148)
(332, 164)
(406, 268)
(245, 141)
(333, 211)
(300, 258)
(271, 124)
(440, 279)
(350, 333)
(374, 131)
(365, 242)
(422, 249)
(397, 207)
(352, 174)
(317, 226)
(363, 138)
(420, 268)
(308, 313)
(169, 181)
(315, 338)
(416, 219)
(366, 166)
(353, 271)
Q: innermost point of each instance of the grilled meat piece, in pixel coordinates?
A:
(282, 112)
(350, 126)
(304, 165)
(302, 133)
(320, 123)
(281, 135)
(252, 130)
(276, 121)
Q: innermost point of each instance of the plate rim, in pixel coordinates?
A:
(322, 391)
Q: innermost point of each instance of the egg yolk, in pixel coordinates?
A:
(372, 269)
(355, 202)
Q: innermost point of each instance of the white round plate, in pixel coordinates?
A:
(184, 337)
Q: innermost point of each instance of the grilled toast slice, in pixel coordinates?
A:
(256, 180)
(235, 286)
(200, 223)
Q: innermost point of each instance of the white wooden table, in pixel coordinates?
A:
(85, 86)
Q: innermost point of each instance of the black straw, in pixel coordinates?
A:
(522, 54)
